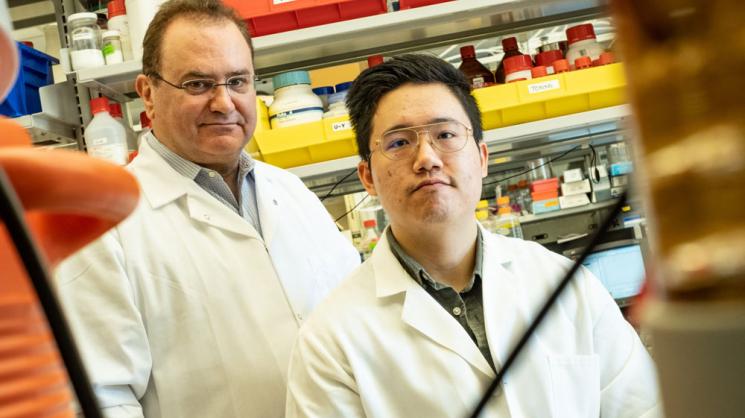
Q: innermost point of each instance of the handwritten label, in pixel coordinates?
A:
(341, 126)
(544, 86)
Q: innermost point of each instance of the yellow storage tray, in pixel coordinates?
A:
(308, 143)
(555, 95)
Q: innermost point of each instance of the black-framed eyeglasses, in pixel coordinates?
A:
(447, 136)
(239, 84)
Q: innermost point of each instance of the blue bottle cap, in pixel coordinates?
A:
(290, 79)
(343, 86)
(325, 90)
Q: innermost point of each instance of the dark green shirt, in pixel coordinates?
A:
(465, 307)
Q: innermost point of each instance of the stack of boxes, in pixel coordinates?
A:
(574, 189)
(601, 184)
(545, 194)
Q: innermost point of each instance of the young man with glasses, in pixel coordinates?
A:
(420, 329)
(190, 307)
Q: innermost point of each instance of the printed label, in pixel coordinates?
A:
(82, 36)
(275, 2)
(341, 126)
(99, 141)
(544, 86)
(115, 153)
(477, 82)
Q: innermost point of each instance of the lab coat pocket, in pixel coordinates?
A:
(575, 386)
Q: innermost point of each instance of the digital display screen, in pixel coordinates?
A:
(621, 270)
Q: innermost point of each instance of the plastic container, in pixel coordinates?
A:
(369, 238)
(477, 74)
(507, 223)
(294, 101)
(105, 137)
(517, 68)
(561, 66)
(606, 58)
(582, 62)
(374, 60)
(324, 92)
(85, 41)
(510, 48)
(547, 59)
(340, 94)
(582, 43)
(112, 47)
(538, 71)
(118, 20)
(115, 109)
(139, 15)
(410, 4)
(35, 72)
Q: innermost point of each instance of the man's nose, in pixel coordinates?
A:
(426, 157)
(221, 100)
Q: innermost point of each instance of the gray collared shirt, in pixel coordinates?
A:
(213, 183)
(465, 307)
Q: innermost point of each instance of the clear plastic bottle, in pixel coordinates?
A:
(112, 47)
(105, 138)
(477, 74)
(507, 223)
(118, 20)
(85, 41)
(369, 238)
(510, 48)
(115, 110)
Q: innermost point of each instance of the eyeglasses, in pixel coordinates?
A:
(239, 84)
(448, 136)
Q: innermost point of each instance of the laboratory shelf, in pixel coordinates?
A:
(387, 34)
(592, 207)
(47, 130)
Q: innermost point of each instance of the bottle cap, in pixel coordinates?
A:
(290, 79)
(539, 71)
(110, 34)
(324, 90)
(99, 104)
(509, 44)
(80, 16)
(374, 60)
(606, 58)
(561, 66)
(547, 58)
(504, 210)
(369, 223)
(467, 51)
(483, 204)
(583, 62)
(517, 63)
(116, 8)
(115, 109)
(503, 200)
(145, 121)
(580, 33)
(343, 86)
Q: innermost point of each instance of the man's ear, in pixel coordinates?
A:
(364, 171)
(484, 153)
(144, 88)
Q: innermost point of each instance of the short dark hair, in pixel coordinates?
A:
(198, 10)
(375, 82)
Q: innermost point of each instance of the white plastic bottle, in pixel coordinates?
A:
(582, 43)
(105, 138)
(294, 102)
(115, 110)
(119, 21)
(140, 13)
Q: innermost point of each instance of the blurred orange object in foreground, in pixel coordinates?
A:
(69, 199)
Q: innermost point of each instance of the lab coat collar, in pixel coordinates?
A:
(162, 185)
(423, 313)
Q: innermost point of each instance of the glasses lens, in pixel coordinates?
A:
(399, 143)
(239, 84)
(198, 86)
(448, 136)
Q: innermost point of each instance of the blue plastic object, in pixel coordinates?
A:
(290, 79)
(35, 72)
(325, 90)
(343, 86)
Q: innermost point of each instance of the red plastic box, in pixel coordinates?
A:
(410, 4)
(541, 186)
(265, 17)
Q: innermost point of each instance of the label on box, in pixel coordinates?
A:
(281, 1)
(82, 36)
(341, 126)
(544, 86)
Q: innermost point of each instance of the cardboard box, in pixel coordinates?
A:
(543, 206)
(573, 201)
(575, 174)
(577, 187)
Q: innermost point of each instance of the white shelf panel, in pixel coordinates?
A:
(48, 130)
(592, 207)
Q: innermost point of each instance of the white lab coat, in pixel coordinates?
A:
(185, 310)
(381, 346)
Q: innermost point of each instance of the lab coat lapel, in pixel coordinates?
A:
(421, 311)
(208, 210)
(268, 202)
